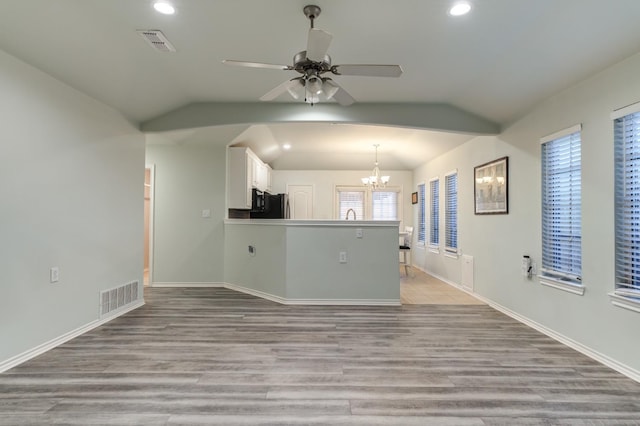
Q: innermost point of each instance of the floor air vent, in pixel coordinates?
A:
(118, 297)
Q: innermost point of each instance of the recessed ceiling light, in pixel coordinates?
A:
(286, 146)
(460, 8)
(164, 7)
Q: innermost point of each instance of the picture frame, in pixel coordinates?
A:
(414, 198)
(491, 187)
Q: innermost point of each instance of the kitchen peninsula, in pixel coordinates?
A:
(314, 261)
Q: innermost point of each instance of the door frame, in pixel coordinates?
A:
(152, 185)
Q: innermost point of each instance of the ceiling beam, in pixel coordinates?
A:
(441, 117)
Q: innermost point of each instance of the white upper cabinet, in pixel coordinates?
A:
(245, 171)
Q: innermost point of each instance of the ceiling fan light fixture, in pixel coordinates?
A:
(460, 8)
(314, 85)
(329, 88)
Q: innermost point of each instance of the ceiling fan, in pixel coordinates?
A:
(313, 64)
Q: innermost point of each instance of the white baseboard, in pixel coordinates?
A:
(318, 302)
(47, 346)
(182, 284)
(595, 355)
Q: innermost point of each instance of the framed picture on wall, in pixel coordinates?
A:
(491, 187)
(414, 198)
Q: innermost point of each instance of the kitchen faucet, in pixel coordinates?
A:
(346, 217)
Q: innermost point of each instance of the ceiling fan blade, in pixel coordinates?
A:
(318, 44)
(256, 65)
(368, 70)
(340, 95)
(289, 85)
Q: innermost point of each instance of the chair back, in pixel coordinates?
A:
(408, 237)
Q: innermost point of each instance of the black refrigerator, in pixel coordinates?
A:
(276, 207)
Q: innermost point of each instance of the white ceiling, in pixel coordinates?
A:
(496, 62)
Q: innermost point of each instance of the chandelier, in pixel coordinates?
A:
(375, 181)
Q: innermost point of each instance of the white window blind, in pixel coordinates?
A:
(561, 208)
(350, 200)
(627, 207)
(434, 217)
(451, 212)
(384, 205)
(421, 214)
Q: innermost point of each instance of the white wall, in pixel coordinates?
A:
(325, 181)
(498, 242)
(71, 174)
(188, 179)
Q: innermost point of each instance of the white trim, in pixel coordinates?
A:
(561, 133)
(624, 302)
(325, 302)
(53, 343)
(626, 110)
(434, 249)
(316, 223)
(184, 284)
(562, 285)
(152, 183)
(452, 172)
(451, 254)
(601, 358)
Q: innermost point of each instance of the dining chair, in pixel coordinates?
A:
(405, 249)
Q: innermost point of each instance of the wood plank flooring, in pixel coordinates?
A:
(217, 357)
(419, 288)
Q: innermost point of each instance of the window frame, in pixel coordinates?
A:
(558, 244)
(422, 214)
(367, 200)
(451, 218)
(626, 295)
(434, 214)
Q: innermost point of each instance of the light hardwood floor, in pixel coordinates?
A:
(217, 357)
(419, 288)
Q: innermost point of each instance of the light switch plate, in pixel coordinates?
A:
(54, 274)
(206, 213)
(343, 257)
(358, 232)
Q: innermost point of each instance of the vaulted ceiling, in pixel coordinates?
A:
(493, 64)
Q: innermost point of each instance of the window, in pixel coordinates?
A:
(421, 214)
(451, 212)
(381, 204)
(384, 205)
(434, 217)
(627, 202)
(561, 207)
(352, 202)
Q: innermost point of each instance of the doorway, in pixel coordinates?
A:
(148, 225)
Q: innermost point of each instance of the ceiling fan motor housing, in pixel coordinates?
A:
(302, 64)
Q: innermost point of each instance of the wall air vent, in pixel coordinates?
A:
(157, 40)
(118, 297)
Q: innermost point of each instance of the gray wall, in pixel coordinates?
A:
(498, 242)
(71, 174)
(188, 179)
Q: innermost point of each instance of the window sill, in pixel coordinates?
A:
(562, 285)
(434, 249)
(625, 302)
(451, 254)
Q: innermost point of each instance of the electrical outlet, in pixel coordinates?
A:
(358, 232)
(252, 251)
(343, 257)
(54, 274)
(206, 213)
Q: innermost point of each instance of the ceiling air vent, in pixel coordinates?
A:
(157, 40)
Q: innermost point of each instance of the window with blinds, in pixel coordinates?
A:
(451, 212)
(350, 200)
(561, 206)
(384, 205)
(434, 210)
(627, 204)
(421, 214)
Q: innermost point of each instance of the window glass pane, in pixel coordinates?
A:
(351, 200)
(421, 214)
(434, 217)
(385, 205)
(451, 212)
(561, 208)
(627, 208)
